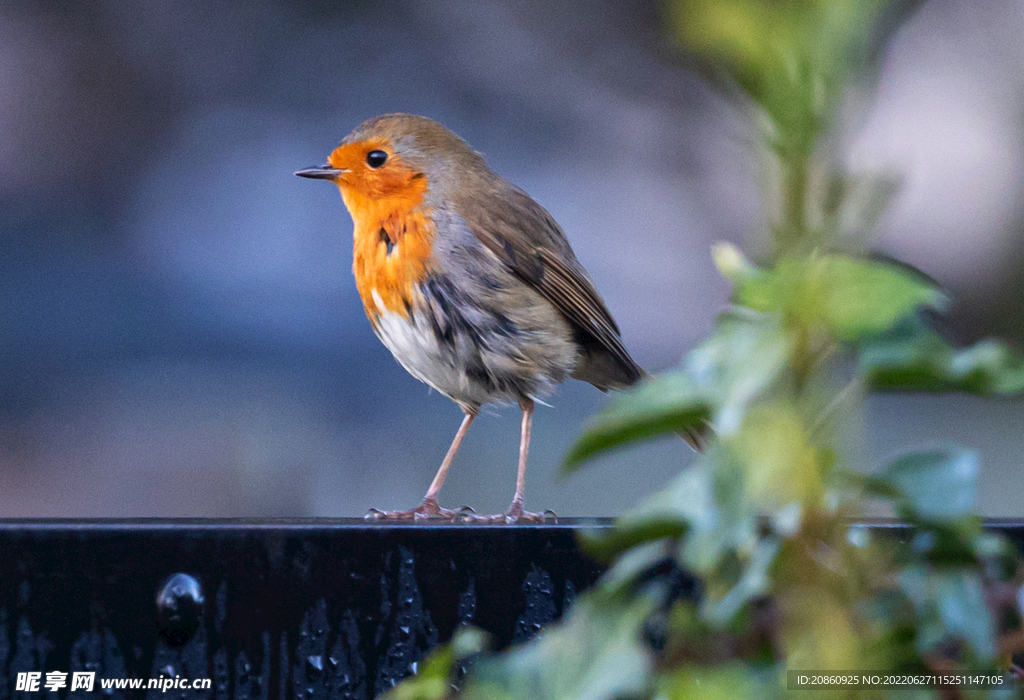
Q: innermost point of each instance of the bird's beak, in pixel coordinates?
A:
(322, 172)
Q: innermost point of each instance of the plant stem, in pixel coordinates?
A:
(795, 154)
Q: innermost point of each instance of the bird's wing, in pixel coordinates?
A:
(526, 238)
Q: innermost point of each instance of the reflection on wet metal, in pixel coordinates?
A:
(286, 608)
(179, 606)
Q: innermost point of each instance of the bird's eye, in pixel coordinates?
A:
(376, 158)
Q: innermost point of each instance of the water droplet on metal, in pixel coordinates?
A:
(314, 668)
(179, 608)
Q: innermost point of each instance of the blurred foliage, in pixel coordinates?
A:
(911, 356)
(765, 518)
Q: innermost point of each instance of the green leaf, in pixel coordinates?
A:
(744, 356)
(753, 583)
(781, 465)
(949, 604)
(633, 565)
(879, 488)
(852, 297)
(665, 514)
(952, 545)
(791, 58)
(723, 521)
(664, 404)
(595, 653)
(753, 287)
(939, 485)
(915, 358)
(862, 298)
(730, 681)
(732, 34)
(605, 544)
(434, 680)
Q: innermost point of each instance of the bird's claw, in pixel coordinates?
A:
(428, 510)
(514, 515)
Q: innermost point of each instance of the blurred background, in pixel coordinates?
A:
(180, 334)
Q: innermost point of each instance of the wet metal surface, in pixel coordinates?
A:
(270, 608)
(338, 609)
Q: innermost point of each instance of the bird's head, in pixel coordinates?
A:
(397, 155)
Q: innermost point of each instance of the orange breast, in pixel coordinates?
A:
(392, 243)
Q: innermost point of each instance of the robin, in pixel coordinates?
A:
(469, 283)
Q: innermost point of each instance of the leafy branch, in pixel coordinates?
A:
(766, 517)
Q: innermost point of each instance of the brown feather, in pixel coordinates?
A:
(512, 227)
(524, 236)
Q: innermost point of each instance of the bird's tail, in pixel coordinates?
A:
(695, 436)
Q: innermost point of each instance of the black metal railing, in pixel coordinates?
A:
(265, 609)
(272, 608)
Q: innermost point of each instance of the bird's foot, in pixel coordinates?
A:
(428, 510)
(515, 514)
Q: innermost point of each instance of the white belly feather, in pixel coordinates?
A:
(475, 356)
(417, 348)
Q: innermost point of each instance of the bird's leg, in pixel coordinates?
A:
(430, 508)
(515, 511)
(430, 499)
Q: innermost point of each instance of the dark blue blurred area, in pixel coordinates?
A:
(179, 331)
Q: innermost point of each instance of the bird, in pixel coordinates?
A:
(470, 283)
